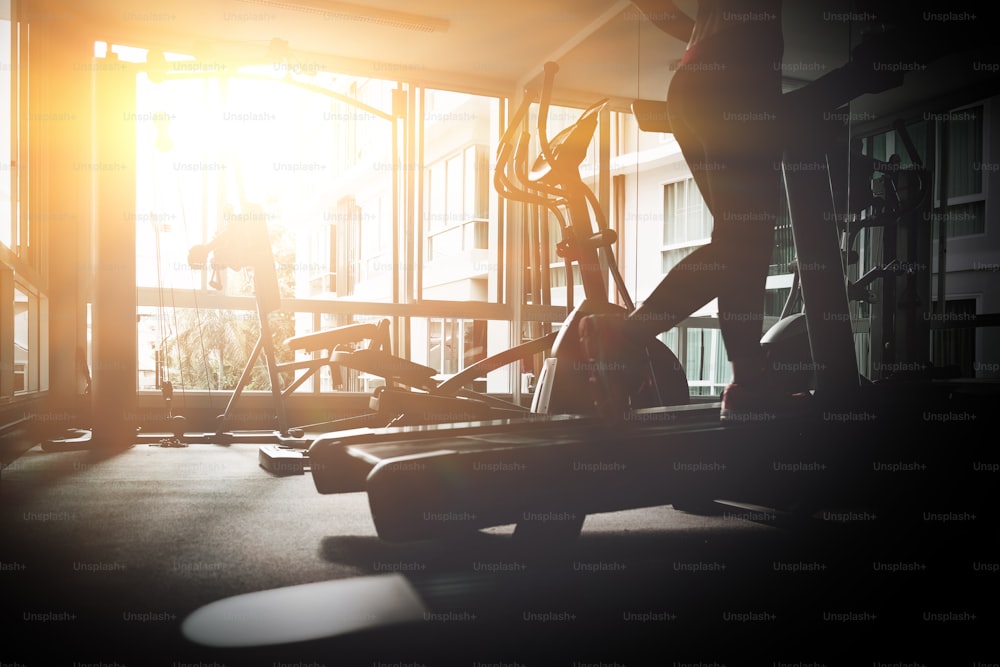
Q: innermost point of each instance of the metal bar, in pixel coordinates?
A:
(821, 271)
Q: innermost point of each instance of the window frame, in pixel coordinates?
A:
(938, 214)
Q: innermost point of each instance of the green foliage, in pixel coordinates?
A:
(212, 346)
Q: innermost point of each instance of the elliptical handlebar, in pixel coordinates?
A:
(554, 182)
(544, 102)
(511, 175)
(515, 121)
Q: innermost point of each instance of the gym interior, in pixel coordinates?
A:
(169, 394)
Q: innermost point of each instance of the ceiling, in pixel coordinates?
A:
(603, 47)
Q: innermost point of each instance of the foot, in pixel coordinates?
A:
(760, 403)
(617, 366)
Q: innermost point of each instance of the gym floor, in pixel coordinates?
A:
(103, 558)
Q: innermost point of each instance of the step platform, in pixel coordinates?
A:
(343, 460)
(543, 475)
(283, 460)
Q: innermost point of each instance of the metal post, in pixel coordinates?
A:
(821, 271)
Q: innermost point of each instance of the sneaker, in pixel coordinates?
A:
(749, 405)
(617, 367)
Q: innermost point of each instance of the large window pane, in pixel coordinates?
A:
(321, 172)
(23, 348)
(217, 152)
(965, 152)
(687, 218)
(6, 69)
(687, 222)
(962, 166)
(459, 226)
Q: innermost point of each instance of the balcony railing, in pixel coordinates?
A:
(457, 238)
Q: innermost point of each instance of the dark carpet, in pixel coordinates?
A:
(103, 558)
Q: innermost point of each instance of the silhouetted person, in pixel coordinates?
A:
(724, 100)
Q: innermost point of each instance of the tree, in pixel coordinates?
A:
(211, 346)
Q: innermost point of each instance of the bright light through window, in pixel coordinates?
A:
(215, 144)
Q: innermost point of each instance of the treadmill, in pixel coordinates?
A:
(544, 473)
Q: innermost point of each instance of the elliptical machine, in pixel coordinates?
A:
(553, 181)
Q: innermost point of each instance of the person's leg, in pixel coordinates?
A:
(615, 346)
(729, 138)
(744, 238)
(692, 282)
(726, 126)
(746, 199)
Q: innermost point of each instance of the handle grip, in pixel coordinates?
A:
(548, 83)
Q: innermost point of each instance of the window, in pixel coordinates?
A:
(687, 222)
(7, 162)
(960, 173)
(327, 166)
(703, 356)
(23, 324)
(687, 225)
(457, 205)
(954, 349)
(453, 344)
(962, 165)
(22, 347)
(965, 209)
(686, 215)
(214, 151)
(30, 340)
(784, 244)
(18, 229)
(964, 132)
(457, 257)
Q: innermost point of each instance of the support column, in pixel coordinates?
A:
(113, 270)
(59, 200)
